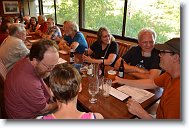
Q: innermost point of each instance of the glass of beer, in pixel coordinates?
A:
(112, 74)
(84, 70)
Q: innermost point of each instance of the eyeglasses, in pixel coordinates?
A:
(48, 67)
(164, 52)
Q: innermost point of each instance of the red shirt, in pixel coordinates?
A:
(25, 93)
(44, 27)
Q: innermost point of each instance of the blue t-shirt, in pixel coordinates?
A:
(79, 37)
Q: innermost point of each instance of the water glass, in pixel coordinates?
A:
(106, 87)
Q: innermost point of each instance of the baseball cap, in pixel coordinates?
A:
(173, 45)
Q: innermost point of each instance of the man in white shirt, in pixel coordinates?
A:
(13, 47)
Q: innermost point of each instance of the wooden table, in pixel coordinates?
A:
(110, 107)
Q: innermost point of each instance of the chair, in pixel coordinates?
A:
(90, 40)
(3, 73)
(123, 48)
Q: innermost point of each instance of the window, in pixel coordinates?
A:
(67, 10)
(48, 8)
(108, 13)
(31, 8)
(161, 15)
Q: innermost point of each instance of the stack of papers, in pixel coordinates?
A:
(140, 95)
(118, 94)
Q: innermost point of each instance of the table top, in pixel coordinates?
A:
(110, 107)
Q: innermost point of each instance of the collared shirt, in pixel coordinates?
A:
(12, 49)
(54, 32)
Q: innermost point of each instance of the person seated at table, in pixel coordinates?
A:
(13, 47)
(73, 38)
(26, 94)
(105, 46)
(43, 25)
(143, 60)
(26, 22)
(4, 31)
(33, 25)
(65, 83)
(169, 106)
(53, 31)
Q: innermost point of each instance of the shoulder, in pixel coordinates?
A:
(113, 43)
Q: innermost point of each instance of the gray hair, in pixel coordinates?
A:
(73, 25)
(16, 27)
(42, 17)
(144, 31)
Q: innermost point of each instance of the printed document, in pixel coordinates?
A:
(140, 95)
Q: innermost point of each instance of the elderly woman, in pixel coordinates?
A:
(65, 83)
(105, 47)
(143, 60)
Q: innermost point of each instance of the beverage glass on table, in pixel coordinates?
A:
(93, 90)
(112, 74)
(84, 70)
(106, 86)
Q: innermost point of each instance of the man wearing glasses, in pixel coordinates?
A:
(26, 94)
(169, 106)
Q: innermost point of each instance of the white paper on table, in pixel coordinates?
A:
(140, 95)
(60, 61)
(33, 41)
(63, 52)
(117, 94)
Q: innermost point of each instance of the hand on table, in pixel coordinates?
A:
(136, 109)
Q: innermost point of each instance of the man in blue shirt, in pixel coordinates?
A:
(73, 38)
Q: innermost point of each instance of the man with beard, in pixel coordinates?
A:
(169, 106)
(26, 94)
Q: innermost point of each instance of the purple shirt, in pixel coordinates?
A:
(25, 93)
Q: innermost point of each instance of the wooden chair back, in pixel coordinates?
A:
(90, 40)
(123, 48)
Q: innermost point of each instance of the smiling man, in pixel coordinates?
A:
(142, 61)
(26, 94)
(169, 106)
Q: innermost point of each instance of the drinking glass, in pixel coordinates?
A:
(93, 90)
(106, 87)
(84, 70)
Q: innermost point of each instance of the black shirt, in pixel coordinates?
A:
(134, 58)
(96, 47)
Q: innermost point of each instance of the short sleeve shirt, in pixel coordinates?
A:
(169, 106)
(96, 47)
(134, 58)
(79, 37)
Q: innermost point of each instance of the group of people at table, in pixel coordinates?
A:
(27, 96)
